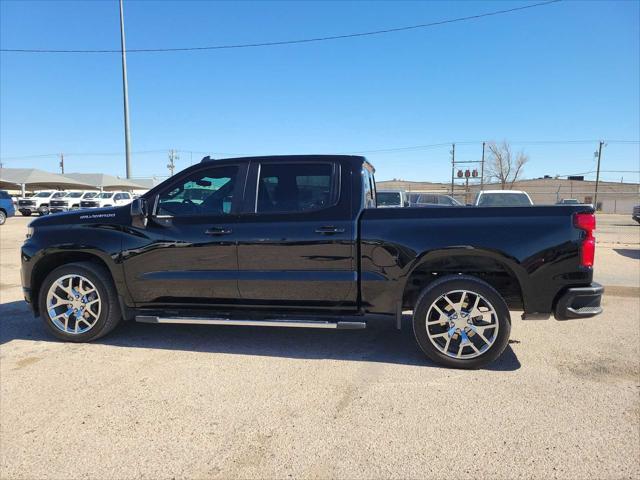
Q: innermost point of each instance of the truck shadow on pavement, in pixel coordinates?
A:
(379, 343)
(628, 252)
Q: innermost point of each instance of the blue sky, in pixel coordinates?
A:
(566, 71)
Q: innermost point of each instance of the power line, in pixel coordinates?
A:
(351, 152)
(291, 42)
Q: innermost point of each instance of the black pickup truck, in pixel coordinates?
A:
(297, 241)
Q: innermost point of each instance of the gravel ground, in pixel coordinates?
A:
(165, 401)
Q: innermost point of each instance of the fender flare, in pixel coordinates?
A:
(510, 264)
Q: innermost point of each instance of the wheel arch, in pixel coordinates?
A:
(52, 261)
(497, 270)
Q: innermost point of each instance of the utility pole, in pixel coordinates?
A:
(125, 94)
(599, 155)
(62, 163)
(482, 169)
(173, 156)
(453, 164)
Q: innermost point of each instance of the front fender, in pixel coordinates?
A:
(51, 247)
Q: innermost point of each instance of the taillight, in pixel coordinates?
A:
(586, 222)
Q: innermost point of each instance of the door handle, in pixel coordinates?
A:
(329, 229)
(218, 231)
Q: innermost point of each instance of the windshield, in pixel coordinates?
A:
(59, 195)
(504, 200)
(43, 194)
(106, 195)
(388, 198)
(74, 194)
(90, 195)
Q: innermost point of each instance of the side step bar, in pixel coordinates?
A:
(342, 325)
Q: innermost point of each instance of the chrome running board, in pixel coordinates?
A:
(342, 325)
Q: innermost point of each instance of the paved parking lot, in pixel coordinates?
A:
(165, 401)
(617, 229)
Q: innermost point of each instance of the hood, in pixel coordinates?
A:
(107, 215)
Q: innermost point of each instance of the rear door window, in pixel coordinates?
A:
(295, 187)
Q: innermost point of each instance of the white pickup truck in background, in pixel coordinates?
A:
(107, 199)
(502, 198)
(38, 203)
(70, 201)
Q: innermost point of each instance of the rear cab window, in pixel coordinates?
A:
(389, 199)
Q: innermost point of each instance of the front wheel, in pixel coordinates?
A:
(461, 322)
(3, 217)
(26, 213)
(78, 302)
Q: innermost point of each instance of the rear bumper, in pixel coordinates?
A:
(580, 302)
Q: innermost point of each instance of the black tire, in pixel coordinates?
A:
(3, 217)
(447, 284)
(26, 213)
(110, 314)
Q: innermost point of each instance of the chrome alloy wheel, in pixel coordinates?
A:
(462, 324)
(73, 304)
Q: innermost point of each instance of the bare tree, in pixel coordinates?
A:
(503, 166)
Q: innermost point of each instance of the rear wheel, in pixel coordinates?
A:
(461, 322)
(78, 302)
(3, 217)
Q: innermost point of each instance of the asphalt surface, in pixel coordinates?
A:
(617, 229)
(164, 401)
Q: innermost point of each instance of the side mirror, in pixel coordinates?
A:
(139, 213)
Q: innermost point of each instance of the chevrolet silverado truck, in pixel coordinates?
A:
(70, 201)
(107, 199)
(38, 203)
(297, 241)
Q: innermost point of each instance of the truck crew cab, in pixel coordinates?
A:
(297, 241)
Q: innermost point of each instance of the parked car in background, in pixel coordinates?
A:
(391, 198)
(636, 213)
(38, 203)
(434, 200)
(6, 207)
(70, 201)
(107, 199)
(568, 201)
(502, 198)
